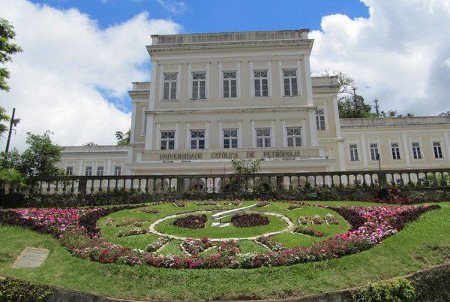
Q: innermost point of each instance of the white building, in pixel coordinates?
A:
(250, 95)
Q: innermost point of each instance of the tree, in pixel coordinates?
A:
(41, 158)
(350, 105)
(7, 49)
(445, 113)
(3, 118)
(123, 139)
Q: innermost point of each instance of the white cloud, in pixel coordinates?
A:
(399, 54)
(66, 58)
(174, 6)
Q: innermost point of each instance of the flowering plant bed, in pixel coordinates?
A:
(196, 246)
(249, 220)
(191, 221)
(76, 230)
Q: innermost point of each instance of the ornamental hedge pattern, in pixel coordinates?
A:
(76, 229)
(191, 221)
(249, 220)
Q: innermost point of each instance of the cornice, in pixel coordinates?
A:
(232, 110)
(308, 43)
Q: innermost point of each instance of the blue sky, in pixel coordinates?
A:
(218, 15)
(79, 64)
(212, 16)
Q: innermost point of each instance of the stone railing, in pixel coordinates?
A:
(222, 183)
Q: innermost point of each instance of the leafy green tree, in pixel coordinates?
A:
(7, 49)
(3, 118)
(350, 105)
(41, 158)
(123, 139)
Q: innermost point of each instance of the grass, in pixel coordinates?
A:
(419, 245)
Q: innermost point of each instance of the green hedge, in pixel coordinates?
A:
(12, 290)
(413, 195)
(397, 290)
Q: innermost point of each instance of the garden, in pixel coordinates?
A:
(160, 243)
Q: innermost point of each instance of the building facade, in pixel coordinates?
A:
(249, 95)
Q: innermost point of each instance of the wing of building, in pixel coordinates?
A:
(218, 96)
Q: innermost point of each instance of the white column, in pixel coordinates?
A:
(221, 135)
(149, 133)
(109, 168)
(313, 128)
(447, 142)
(133, 121)
(406, 148)
(307, 74)
(342, 157)
(153, 91)
(364, 150)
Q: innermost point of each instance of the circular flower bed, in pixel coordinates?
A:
(191, 221)
(249, 220)
(76, 230)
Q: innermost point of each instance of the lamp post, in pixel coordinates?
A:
(379, 161)
(13, 123)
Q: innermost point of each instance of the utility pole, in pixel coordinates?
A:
(377, 107)
(13, 123)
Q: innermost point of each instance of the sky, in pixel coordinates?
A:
(81, 56)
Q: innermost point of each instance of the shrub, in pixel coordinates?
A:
(330, 219)
(22, 291)
(303, 220)
(191, 221)
(249, 220)
(150, 210)
(132, 232)
(262, 203)
(316, 219)
(229, 248)
(196, 246)
(127, 222)
(154, 246)
(308, 231)
(397, 290)
(271, 244)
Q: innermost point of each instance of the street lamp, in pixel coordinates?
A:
(13, 123)
(379, 161)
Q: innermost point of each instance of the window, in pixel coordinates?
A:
(294, 136)
(198, 139)
(88, 171)
(230, 138)
(395, 151)
(170, 86)
(167, 140)
(320, 119)
(117, 170)
(417, 154)
(374, 155)
(229, 84)
(261, 83)
(263, 138)
(199, 85)
(69, 170)
(354, 152)
(437, 150)
(290, 82)
(100, 170)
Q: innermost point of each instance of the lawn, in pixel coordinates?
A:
(419, 245)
